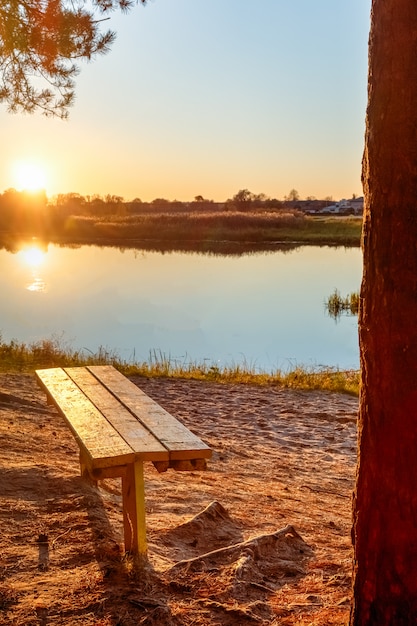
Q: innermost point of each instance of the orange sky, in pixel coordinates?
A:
(206, 99)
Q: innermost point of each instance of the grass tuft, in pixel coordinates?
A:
(17, 356)
(336, 304)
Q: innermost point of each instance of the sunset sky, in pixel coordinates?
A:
(206, 97)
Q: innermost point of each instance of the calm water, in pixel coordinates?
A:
(266, 309)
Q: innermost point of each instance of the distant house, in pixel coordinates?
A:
(354, 206)
(357, 205)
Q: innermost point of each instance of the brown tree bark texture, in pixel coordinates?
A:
(385, 502)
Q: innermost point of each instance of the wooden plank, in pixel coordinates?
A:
(134, 523)
(116, 471)
(100, 442)
(181, 442)
(188, 465)
(142, 442)
(85, 467)
(99, 473)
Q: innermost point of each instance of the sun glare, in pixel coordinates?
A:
(29, 176)
(33, 256)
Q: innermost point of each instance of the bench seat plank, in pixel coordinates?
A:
(142, 442)
(181, 443)
(101, 443)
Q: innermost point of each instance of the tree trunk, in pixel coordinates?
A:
(385, 503)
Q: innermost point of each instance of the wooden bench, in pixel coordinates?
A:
(118, 427)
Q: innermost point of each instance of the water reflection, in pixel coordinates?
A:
(34, 257)
(208, 248)
(264, 310)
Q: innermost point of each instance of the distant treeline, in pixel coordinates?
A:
(99, 206)
(200, 224)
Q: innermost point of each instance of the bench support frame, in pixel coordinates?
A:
(133, 494)
(134, 522)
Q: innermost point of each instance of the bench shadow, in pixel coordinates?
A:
(133, 587)
(37, 494)
(38, 500)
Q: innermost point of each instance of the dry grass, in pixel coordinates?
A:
(17, 356)
(218, 231)
(201, 227)
(336, 304)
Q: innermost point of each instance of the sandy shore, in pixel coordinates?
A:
(280, 458)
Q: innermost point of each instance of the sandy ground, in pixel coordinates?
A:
(283, 460)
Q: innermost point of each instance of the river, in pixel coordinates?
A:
(261, 310)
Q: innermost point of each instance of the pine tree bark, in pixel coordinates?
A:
(385, 502)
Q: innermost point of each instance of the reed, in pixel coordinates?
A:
(16, 356)
(200, 228)
(336, 304)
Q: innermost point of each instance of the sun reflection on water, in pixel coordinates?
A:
(33, 256)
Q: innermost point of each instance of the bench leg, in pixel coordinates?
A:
(85, 473)
(133, 490)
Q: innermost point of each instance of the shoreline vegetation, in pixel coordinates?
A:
(16, 356)
(337, 304)
(228, 233)
(234, 227)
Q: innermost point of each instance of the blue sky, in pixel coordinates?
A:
(203, 97)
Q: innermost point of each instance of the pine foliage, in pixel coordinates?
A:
(41, 45)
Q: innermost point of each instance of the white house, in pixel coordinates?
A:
(355, 206)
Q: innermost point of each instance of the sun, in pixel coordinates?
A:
(29, 176)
